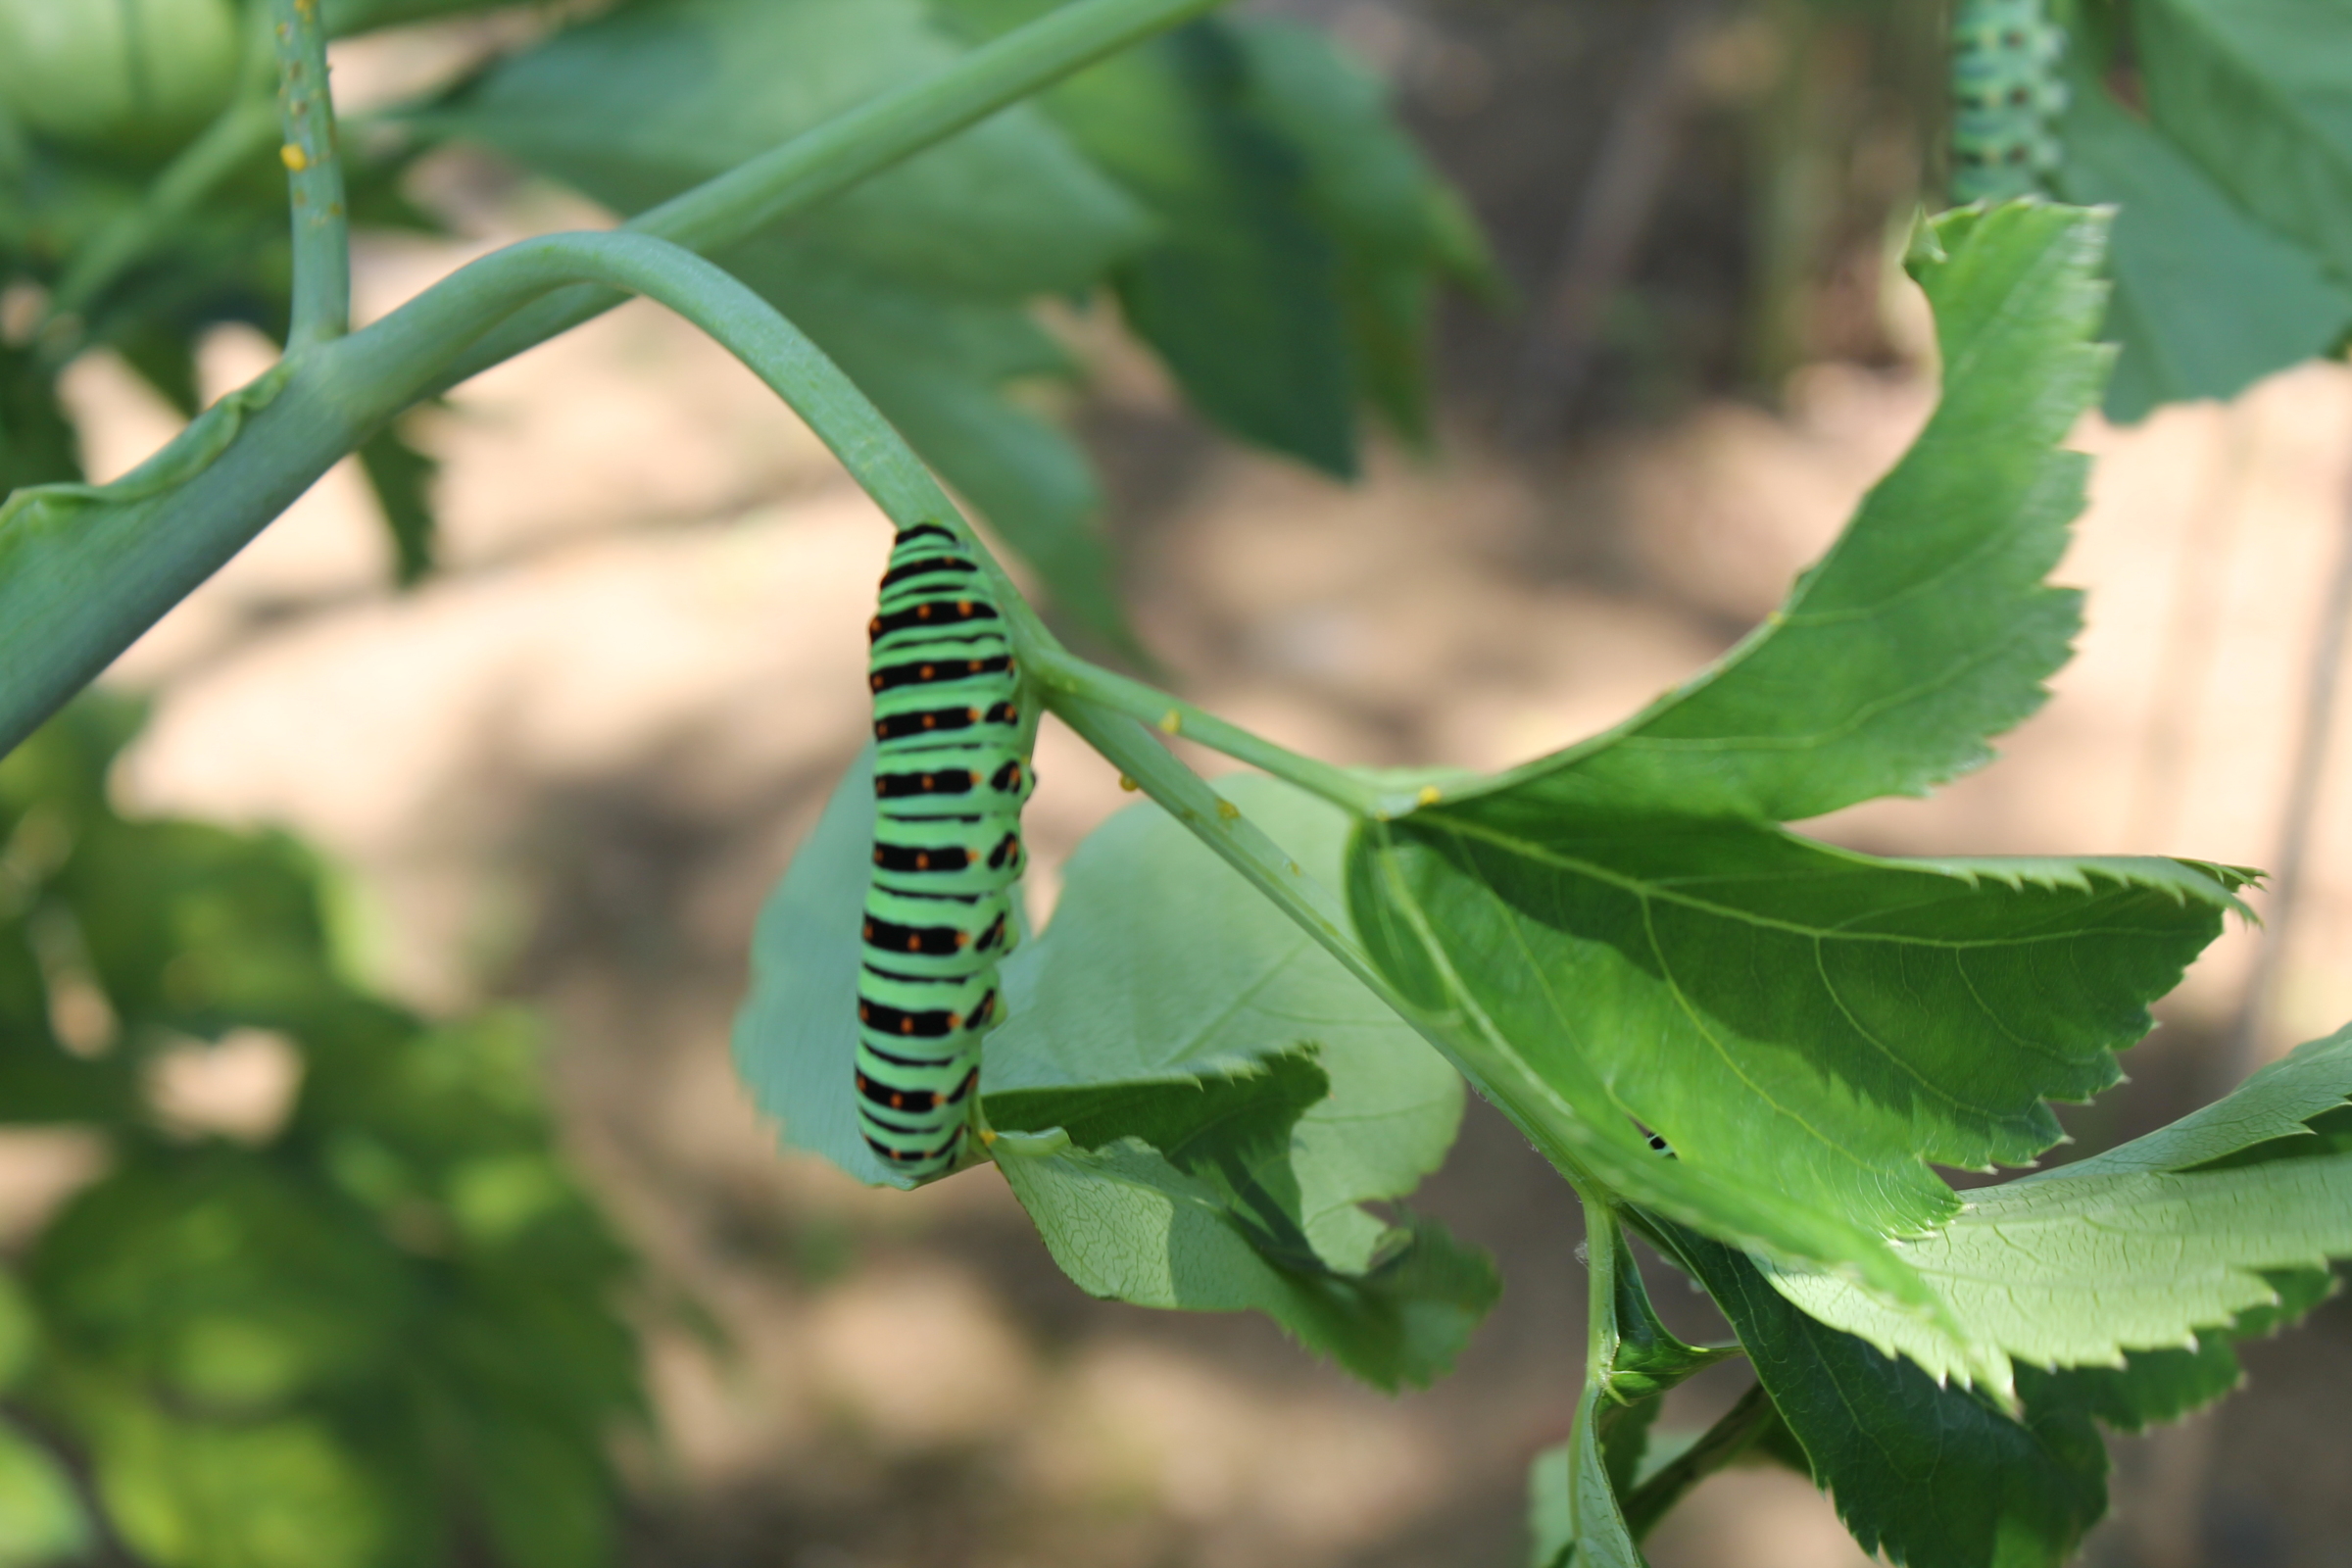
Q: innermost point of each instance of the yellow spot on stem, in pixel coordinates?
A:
(1429, 795)
(1227, 812)
(1127, 784)
(1172, 722)
(294, 158)
(988, 1136)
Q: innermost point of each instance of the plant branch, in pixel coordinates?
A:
(314, 177)
(86, 569)
(1065, 672)
(1604, 1255)
(855, 146)
(1728, 1441)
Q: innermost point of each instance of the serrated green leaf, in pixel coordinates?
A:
(1617, 936)
(797, 1033)
(1926, 1473)
(2254, 89)
(2207, 299)
(41, 1517)
(1807, 1027)
(2154, 1386)
(2139, 1249)
(1927, 627)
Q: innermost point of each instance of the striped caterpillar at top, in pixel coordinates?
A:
(949, 785)
(2005, 92)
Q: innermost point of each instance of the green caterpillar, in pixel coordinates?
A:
(949, 786)
(2005, 91)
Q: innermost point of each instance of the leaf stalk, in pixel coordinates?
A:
(313, 177)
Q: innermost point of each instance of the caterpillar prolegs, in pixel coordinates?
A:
(949, 786)
(2005, 92)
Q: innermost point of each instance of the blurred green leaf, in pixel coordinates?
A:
(37, 442)
(41, 1517)
(1301, 237)
(1399, 229)
(2207, 299)
(398, 1313)
(2254, 90)
(915, 280)
(20, 1333)
(281, 1493)
(402, 479)
(226, 1278)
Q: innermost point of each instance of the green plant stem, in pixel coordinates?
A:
(1728, 1441)
(1065, 672)
(314, 177)
(855, 146)
(79, 583)
(1604, 1255)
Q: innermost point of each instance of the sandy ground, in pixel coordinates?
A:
(569, 768)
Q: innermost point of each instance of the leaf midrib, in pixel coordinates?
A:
(1646, 890)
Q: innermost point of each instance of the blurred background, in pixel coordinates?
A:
(564, 770)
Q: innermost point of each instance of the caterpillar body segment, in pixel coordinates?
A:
(2007, 91)
(950, 782)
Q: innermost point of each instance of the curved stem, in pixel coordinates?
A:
(1065, 672)
(314, 177)
(86, 569)
(414, 344)
(855, 146)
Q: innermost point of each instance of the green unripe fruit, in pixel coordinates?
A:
(126, 76)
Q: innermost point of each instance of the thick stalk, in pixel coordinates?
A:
(856, 146)
(314, 177)
(84, 570)
(1602, 1540)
